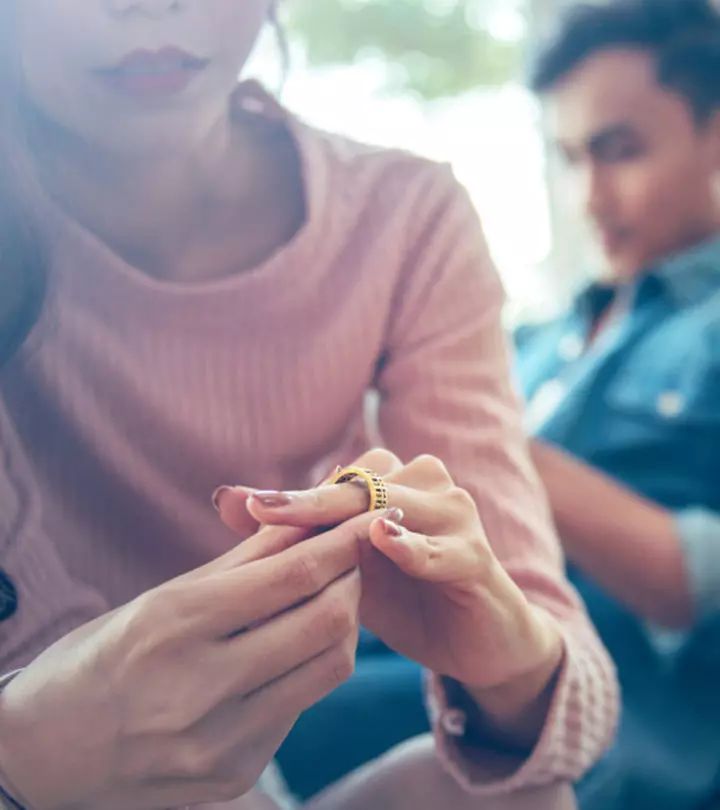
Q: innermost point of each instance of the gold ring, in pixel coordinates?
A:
(375, 485)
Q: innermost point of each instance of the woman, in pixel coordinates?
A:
(218, 287)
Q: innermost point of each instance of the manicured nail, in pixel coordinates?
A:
(395, 514)
(217, 495)
(392, 529)
(272, 500)
(327, 478)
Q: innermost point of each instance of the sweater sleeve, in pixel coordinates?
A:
(47, 602)
(445, 388)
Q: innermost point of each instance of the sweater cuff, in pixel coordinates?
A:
(575, 734)
(6, 800)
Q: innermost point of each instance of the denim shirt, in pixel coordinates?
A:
(642, 404)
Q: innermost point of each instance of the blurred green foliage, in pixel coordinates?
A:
(435, 48)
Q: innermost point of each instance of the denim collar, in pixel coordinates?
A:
(687, 277)
(693, 274)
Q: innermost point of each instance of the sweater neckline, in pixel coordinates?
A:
(250, 98)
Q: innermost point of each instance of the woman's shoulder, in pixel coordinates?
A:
(357, 157)
(385, 167)
(361, 179)
(379, 179)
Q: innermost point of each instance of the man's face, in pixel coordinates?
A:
(647, 171)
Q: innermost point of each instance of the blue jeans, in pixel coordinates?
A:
(380, 706)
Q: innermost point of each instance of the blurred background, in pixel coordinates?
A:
(445, 79)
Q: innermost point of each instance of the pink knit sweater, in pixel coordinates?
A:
(134, 398)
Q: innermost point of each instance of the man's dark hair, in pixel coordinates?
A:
(683, 35)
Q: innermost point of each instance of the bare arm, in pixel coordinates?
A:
(627, 543)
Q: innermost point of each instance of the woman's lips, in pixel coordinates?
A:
(147, 74)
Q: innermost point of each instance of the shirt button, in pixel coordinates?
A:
(670, 404)
(454, 722)
(8, 597)
(570, 347)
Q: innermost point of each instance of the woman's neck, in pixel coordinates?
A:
(168, 214)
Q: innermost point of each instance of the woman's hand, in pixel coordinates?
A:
(184, 695)
(432, 589)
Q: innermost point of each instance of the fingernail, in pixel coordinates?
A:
(217, 495)
(272, 500)
(392, 529)
(327, 478)
(236, 490)
(395, 514)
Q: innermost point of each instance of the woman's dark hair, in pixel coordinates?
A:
(683, 36)
(22, 262)
(22, 269)
(282, 42)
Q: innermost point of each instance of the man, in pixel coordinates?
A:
(624, 390)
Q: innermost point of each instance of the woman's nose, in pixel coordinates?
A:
(149, 8)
